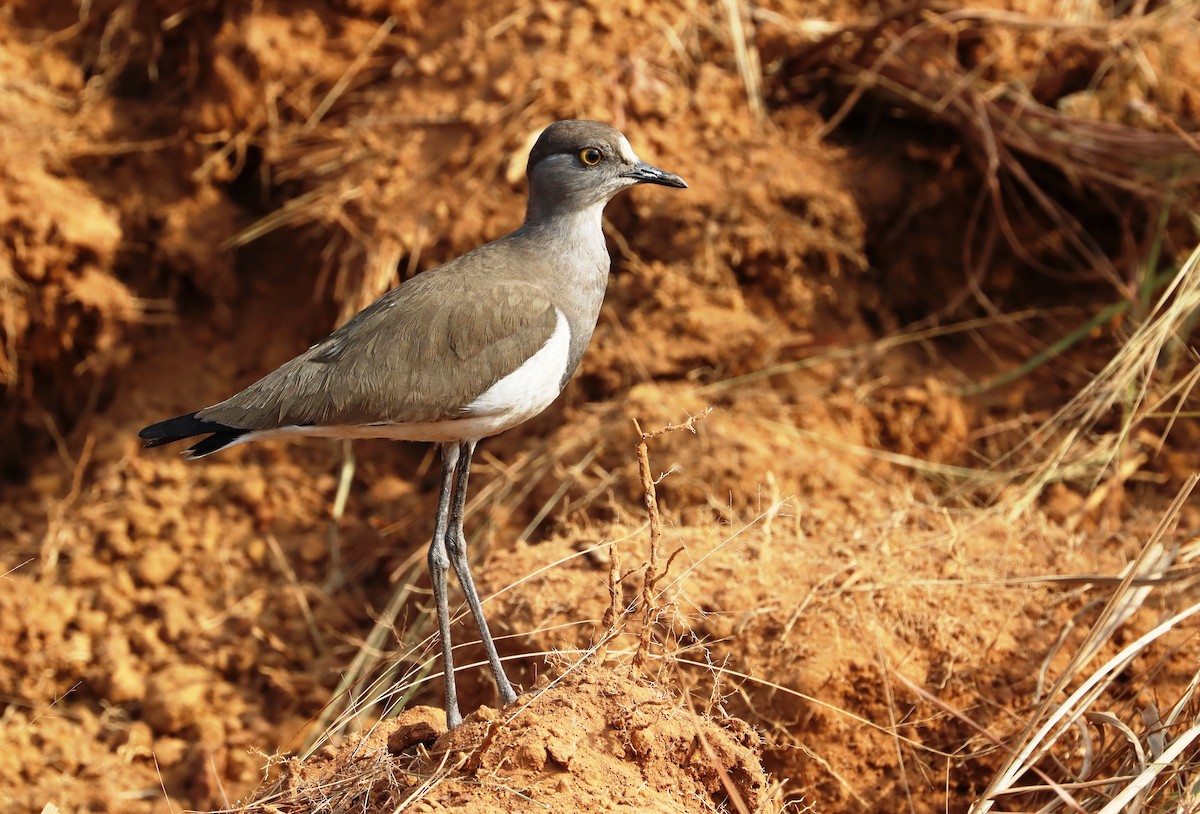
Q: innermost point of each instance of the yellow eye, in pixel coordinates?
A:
(590, 156)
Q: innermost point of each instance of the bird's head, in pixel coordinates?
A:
(576, 165)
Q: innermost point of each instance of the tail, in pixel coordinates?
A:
(186, 426)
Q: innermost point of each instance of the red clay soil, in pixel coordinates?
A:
(593, 740)
(192, 192)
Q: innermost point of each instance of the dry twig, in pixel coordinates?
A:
(650, 495)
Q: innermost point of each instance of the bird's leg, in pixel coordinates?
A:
(337, 576)
(456, 545)
(439, 564)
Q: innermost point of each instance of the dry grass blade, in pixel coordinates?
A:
(347, 76)
(349, 700)
(947, 473)
(1055, 717)
(1165, 762)
(1126, 382)
(912, 57)
(727, 672)
(746, 56)
(1065, 717)
(884, 345)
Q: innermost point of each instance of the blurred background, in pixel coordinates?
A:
(934, 277)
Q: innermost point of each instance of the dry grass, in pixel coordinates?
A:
(380, 683)
(1075, 753)
(1115, 150)
(1127, 749)
(1151, 375)
(1101, 438)
(910, 58)
(392, 664)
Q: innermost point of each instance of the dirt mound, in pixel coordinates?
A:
(593, 739)
(839, 596)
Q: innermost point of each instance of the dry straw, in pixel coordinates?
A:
(1142, 763)
(910, 58)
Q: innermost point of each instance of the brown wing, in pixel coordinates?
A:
(421, 352)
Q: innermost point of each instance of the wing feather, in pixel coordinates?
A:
(420, 353)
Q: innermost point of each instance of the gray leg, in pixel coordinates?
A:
(337, 577)
(439, 564)
(456, 545)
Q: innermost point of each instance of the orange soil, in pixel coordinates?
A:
(167, 626)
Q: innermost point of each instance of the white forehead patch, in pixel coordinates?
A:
(627, 153)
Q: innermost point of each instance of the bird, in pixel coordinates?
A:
(455, 354)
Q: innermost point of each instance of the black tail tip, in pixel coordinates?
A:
(187, 426)
(173, 429)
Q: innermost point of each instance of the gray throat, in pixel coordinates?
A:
(576, 284)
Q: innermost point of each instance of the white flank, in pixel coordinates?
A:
(516, 398)
(530, 388)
